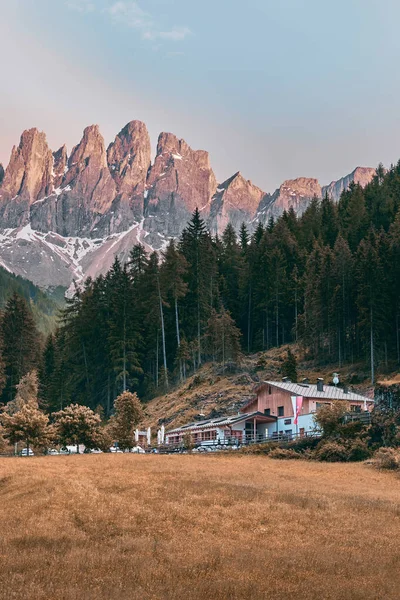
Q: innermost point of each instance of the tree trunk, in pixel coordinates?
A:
(157, 361)
(124, 356)
(198, 333)
(178, 337)
(372, 348)
(223, 348)
(397, 338)
(163, 335)
(249, 322)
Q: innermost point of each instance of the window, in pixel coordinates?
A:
(355, 408)
(267, 412)
(319, 405)
(288, 421)
(281, 411)
(269, 390)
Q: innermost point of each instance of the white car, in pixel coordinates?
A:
(53, 452)
(25, 452)
(138, 450)
(115, 450)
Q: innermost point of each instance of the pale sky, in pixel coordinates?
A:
(277, 89)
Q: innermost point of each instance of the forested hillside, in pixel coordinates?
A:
(44, 308)
(329, 280)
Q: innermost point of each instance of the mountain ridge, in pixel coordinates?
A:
(62, 217)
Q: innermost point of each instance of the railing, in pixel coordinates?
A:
(233, 442)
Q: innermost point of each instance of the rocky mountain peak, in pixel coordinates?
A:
(236, 201)
(90, 149)
(296, 194)
(60, 166)
(129, 159)
(180, 180)
(361, 175)
(29, 172)
(88, 175)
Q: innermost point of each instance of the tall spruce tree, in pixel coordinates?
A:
(21, 343)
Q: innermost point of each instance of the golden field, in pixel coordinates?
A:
(98, 527)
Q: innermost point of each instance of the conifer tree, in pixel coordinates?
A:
(20, 343)
(223, 337)
(289, 367)
(172, 273)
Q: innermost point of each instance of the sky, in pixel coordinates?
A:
(277, 89)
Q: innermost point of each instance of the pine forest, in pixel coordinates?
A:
(328, 280)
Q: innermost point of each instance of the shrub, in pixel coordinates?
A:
(358, 450)
(331, 452)
(264, 448)
(305, 443)
(329, 417)
(387, 458)
(284, 453)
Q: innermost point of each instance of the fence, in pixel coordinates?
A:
(232, 442)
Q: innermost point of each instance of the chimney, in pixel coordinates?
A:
(286, 380)
(320, 384)
(305, 381)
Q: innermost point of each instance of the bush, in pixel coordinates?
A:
(387, 458)
(331, 452)
(305, 443)
(284, 454)
(264, 448)
(358, 450)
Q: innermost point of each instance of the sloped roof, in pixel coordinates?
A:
(310, 391)
(220, 421)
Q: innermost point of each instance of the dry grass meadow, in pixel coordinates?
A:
(98, 527)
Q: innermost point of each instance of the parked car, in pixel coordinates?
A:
(115, 450)
(53, 452)
(25, 452)
(64, 450)
(138, 450)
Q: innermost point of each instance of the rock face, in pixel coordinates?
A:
(236, 201)
(293, 193)
(129, 159)
(361, 175)
(60, 166)
(28, 178)
(180, 180)
(87, 190)
(88, 174)
(66, 218)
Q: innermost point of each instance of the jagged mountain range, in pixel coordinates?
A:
(63, 218)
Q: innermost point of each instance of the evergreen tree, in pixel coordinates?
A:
(223, 337)
(173, 270)
(20, 343)
(289, 367)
